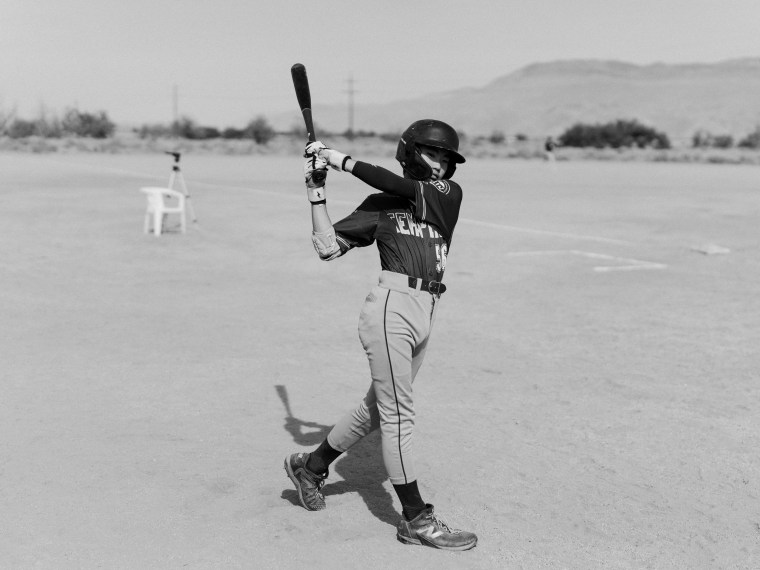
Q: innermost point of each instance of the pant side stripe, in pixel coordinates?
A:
(393, 380)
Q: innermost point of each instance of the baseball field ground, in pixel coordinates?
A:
(589, 399)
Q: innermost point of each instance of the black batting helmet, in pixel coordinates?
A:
(428, 132)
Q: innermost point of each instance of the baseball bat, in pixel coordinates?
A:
(303, 93)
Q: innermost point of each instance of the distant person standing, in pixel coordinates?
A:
(549, 146)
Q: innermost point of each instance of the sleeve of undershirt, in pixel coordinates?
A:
(384, 180)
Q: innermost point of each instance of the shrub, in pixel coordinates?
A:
(723, 141)
(752, 140)
(184, 127)
(703, 139)
(19, 128)
(97, 126)
(700, 139)
(6, 118)
(50, 127)
(43, 126)
(497, 137)
(205, 133)
(187, 128)
(233, 133)
(615, 134)
(260, 130)
(154, 131)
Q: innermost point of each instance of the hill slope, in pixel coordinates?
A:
(546, 98)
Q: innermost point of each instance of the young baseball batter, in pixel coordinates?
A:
(412, 220)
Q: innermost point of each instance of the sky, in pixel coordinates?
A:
(224, 62)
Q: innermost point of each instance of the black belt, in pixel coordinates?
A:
(432, 287)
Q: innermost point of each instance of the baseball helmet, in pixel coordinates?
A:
(428, 132)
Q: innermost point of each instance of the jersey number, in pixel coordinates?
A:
(440, 254)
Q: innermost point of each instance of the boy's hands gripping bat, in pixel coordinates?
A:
(315, 177)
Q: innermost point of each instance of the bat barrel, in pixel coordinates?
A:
(303, 94)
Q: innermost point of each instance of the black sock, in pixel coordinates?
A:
(411, 500)
(320, 459)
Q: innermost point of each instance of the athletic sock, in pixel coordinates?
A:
(320, 459)
(411, 500)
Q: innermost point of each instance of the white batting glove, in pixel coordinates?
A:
(335, 159)
(313, 148)
(315, 173)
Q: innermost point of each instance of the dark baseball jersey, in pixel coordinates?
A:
(411, 221)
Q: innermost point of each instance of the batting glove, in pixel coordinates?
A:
(315, 173)
(335, 159)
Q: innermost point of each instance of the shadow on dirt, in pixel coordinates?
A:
(361, 467)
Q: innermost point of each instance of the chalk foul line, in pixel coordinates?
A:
(544, 232)
(619, 263)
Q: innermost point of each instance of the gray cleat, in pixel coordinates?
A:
(307, 484)
(428, 530)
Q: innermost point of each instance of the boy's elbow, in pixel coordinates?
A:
(325, 244)
(329, 256)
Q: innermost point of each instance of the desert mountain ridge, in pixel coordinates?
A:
(544, 99)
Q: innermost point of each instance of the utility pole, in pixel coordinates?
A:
(351, 92)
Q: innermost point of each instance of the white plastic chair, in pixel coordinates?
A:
(161, 202)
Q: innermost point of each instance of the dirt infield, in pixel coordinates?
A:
(589, 399)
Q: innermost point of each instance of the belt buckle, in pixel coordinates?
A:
(435, 287)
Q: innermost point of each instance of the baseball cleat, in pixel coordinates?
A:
(307, 484)
(427, 529)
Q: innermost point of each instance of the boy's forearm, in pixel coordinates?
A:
(320, 219)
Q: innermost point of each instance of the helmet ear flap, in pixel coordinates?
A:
(450, 170)
(411, 160)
